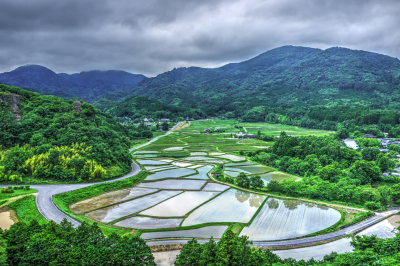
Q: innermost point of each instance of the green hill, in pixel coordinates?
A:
(45, 137)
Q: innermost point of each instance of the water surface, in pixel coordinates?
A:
(204, 232)
(172, 173)
(179, 205)
(141, 222)
(175, 184)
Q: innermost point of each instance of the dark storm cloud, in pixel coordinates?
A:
(153, 36)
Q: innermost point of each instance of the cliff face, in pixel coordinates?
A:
(12, 100)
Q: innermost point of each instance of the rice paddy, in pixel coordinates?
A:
(251, 169)
(215, 187)
(140, 222)
(285, 219)
(109, 198)
(151, 162)
(175, 184)
(172, 173)
(179, 205)
(277, 176)
(202, 172)
(204, 232)
(231, 206)
(114, 212)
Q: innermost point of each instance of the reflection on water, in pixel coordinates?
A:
(273, 203)
(284, 219)
(242, 196)
(256, 200)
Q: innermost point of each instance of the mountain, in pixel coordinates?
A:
(280, 79)
(86, 85)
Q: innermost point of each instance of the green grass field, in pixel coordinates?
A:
(268, 129)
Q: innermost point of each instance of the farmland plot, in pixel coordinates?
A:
(173, 173)
(231, 206)
(111, 213)
(251, 169)
(233, 174)
(197, 158)
(175, 184)
(202, 173)
(277, 176)
(215, 187)
(151, 162)
(109, 198)
(179, 205)
(231, 157)
(285, 219)
(205, 232)
(236, 164)
(141, 222)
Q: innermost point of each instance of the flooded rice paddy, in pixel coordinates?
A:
(236, 164)
(172, 173)
(285, 219)
(175, 184)
(233, 174)
(204, 232)
(114, 212)
(384, 229)
(181, 164)
(215, 187)
(231, 206)
(151, 162)
(109, 198)
(231, 157)
(179, 205)
(141, 222)
(198, 153)
(196, 158)
(202, 173)
(251, 169)
(277, 176)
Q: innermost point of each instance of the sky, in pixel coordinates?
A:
(153, 36)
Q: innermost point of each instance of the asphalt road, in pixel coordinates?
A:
(44, 201)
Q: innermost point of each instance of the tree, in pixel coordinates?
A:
(366, 172)
(256, 181)
(190, 254)
(233, 250)
(242, 180)
(209, 252)
(165, 125)
(343, 133)
(370, 153)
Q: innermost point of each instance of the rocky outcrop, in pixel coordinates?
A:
(12, 100)
(77, 105)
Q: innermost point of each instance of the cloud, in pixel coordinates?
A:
(154, 36)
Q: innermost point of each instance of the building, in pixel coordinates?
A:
(149, 124)
(207, 130)
(164, 120)
(145, 120)
(240, 135)
(160, 127)
(369, 136)
(216, 129)
(350, 143)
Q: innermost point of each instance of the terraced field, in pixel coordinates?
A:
(178, 198)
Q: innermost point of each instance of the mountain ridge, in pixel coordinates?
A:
(86, 84)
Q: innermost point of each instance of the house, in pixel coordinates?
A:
(398, 156)
(369, 136)
(240, 135)
(386, 150)
(149, 124)
(160, 127)
(350, 143)
(145, 120)
(207, 130)
(216, 129)
(164, 120)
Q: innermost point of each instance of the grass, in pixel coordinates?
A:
(252, 128)
(18, 192)
(26, 211)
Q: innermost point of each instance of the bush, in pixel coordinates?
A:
(7, 190)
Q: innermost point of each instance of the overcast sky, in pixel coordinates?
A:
(153, 36)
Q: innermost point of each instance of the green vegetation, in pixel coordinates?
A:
(234, 250)
(139, 107)
(53, 244)
(47, 138)
(26, 211)
(330, 172)
(16, 192)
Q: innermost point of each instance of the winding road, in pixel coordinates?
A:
(45, 205)
(44, 199)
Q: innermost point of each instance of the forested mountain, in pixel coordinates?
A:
(47, 138)
(284, 82)
(84, 85)
(137, 107)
